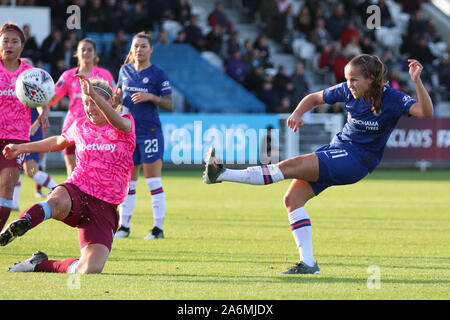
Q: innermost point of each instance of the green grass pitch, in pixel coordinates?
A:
(231, 241)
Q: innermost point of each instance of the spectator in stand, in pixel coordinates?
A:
(304, 24)
(214, 40)
(443, 70)
(125, 19)
(417, 24)
(96, 18)
(280, 80)
(336, 108)
(233, 43)
(283, 5)
(194, 35)
(52, 48)
(261, 43)
(337, 22)
(394, 79)
(217, 16)
(269, 97)
(339, 63)
(254, 79)
(349, 33)
(181, 11)
(139, 18)
(119, 49)
(111, 10)
(253, 59)
(235, 67)
(268, 14)
(286, 27)
(319, 36)
(326, 57)
(30, 49)
(386, 19)
(284, 106)
(181, 37)
(299, 81)
(69, 60)
(367, 45)
(162, 37)
(352, 49)
(291, 94)
(159, 10)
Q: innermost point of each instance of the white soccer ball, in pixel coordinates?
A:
(35, 87)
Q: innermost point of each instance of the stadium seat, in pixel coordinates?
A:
(205, 87)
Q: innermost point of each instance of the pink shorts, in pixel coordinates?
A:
(97, 221)
(5, 163)
(69, 150)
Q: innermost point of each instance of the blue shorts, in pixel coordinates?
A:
(150, 150)
(38, 135)
(337, 166)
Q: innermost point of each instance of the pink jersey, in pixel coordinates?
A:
(104, 159)
(15, 117)
(70, 85)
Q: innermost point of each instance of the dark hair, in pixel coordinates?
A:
(13, 27)
(140, 35)
(94, 45)
(372, 67)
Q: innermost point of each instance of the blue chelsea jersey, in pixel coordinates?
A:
(150, 80)
(365, 132)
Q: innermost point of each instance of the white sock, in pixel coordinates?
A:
(259, 175)
(158, 201)
(44, 179)
(16, 193)
(127, 207)
(302, 233)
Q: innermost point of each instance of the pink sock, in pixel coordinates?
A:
(59, 266)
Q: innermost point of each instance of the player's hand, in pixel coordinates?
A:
(117, 97)
(42, 120)
(415, 69)
(11, 151)
(139, 97)
(86, 86)
(295, 121)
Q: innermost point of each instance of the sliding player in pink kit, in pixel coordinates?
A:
(68, 84)
(15, 118)
(89, 198)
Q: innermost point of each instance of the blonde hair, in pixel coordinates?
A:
(372, 67)
(104, 89)
(140, 35)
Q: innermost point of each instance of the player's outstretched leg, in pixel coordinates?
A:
(258, 175)
(30, 264)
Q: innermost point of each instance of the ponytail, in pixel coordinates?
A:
(372, 67)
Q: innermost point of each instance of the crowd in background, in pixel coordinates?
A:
(329, 25)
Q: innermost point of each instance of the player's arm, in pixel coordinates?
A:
(164, 102)
(295, 120)
(50, 144)
(111, 115)
(423, 108)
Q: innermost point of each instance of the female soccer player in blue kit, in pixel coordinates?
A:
(373, 110)
(145, 87)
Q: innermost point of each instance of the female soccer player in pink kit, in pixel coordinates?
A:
(68, 84)
(89, 198)
(15, 118)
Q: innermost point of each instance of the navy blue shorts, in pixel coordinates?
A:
(38, 135)
(337, 166)
(150, 150)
